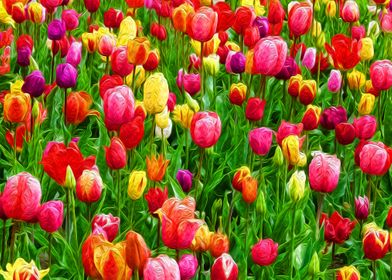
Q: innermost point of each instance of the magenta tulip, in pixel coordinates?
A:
(381, 74)
(260, 140)
(264, 252)
(375, 158)
(188, 266)
(205, 129)
(108, 225)
(50, 216)
(324, 172)
(365, 127)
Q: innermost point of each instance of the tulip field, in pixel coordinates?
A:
(195, 139)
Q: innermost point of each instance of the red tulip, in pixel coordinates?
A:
(155, 198)
(255, 109)
(300, 19)
(251, 36)
(376, 243)
(112, 18)
(336, 228)
(225, 16)
(224, 268)
(21, 197)
(70, 18)
(205, 129)
(375, 158)
(345, 133)
(381, 74)
(201, 26)
(108, 225)
(108, 82)
(260, 140)
(276, 13)
(119, 62)
(158, 31)
(365, 127)
(388, 220)
(50, 216)
(344, 52)
(89, 186)
(311, 118)
(285, 129)
(131, 133)
(324, 172)
(243, 19)
(152, 61)
(92, 5)
(116, 154)
(20, 138)
(265, 252)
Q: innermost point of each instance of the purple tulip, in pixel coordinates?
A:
(235, 62)
(361, 208)
(188, 266)
(56, 29)
(290, 68)
(184, 178)
(24, 54)
(333, 116)
(66, 75)
(34, 84)
(262, 24)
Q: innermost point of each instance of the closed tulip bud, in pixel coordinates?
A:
(237, 93)
(184, 178)
(307, 91)
(205, 129)
(366, 104)
(388, 219)
(190, 82)
(356, 80)
(188, 265)
(116, 154)
(165, 132)
(278, 158)
(386, 22)
(381, 74)
(335, 81)
(20, 269)
(264, 252)
(350, 11)
(361, 207)
(21, 197)
(56, 29)
(365, 127)
(249, 189)
(156, 167)
(260, 140)
(290, 69)
(211, 64)
(16, 107)
(71, 19)
(155, 198)
(296, 185)
(345, 133)
(262, 25)
(90, 42)
(219, 244)
(138, 50)
(332, 116)
(348, 273)
(119, 62)
(156, 93)
(34, 84)
(251, 36)
(311, 118)
(183, 114)
(235, 62)
(330, 9)
(66, 75)
(314, 265)
(136, 252)
(161, 267)
(285, 129)
(92, 5)
(243, 18)
(375, 243)
(180, 15)
(36, 12)
(18, 12)
(358, 32)
(241, 173)
(309, 58)
(109, 82)
(224, 268)
(112, 18)
(294, 85)
(162, 119)
(89, 186)
(158, 31)
(108, 225)
(106, 44)
(255, 109)
(375, 158)
(137, 183)
(50, 216)
(152, 61)
(74, 54)
(290, 148)
(202, 239)
(23, 58)
(201, 25)
(300, 19)
(324, 172)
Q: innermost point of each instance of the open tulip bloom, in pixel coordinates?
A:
(188, 139)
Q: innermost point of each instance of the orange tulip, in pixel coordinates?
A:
(179, 16)
(78, 107)
(138, 50)
(88, 254)
(202, 239)
(136, 251)
(16, 107)
(156, 167)
(249, 189)
(219, 244)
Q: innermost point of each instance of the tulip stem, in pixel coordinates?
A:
(320, 203)
(65, 109)
(67, 227)
(292, 242)
(133, 79)
(50, 249)
(14, 229)
(158, 233)
(201, 157)
(374, 269)
(118, 177)
(201, 75)
(107, 65)
(186, 148)
(132, 211)
(3, 245)
(136, 274)
(74, 219)
(246, 239)
(379, 115)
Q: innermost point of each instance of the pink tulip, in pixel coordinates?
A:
(265, 252)
(361, 208)
(285, 129)
(309, 59)
(50, 216)
(205, 129)
(365, 127)
(381, 74)
(324, 172)
(21, 197)
(375, 158)
(70, 18)
(269, 56)
(300, 19)
(224, 268)
(350, 11)
(119, 107)
(162, 268)
(119, 62)
(201, 26)
(108, 225)
(260, 140)
(74, 54)
(190, 82)
(188, 266)
(334, 81)
(2, 214)
(386, 22)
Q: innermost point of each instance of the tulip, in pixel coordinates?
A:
(188, 266)
(152, 61)
(92, 242)
(90, 42)
(56, 29)
(131, 133)
(155, 198)
(309, 58)
(367, 50)
(251, 36)
(260, 140)
(358, 32)
(161, 267)
(18, 12)
(381, 74)
(110, 261)
(112, 18)
(50, 216)
(289, 69)
(356, 80)
(286, 129)
(137, 50)
(332, 116)
(136, 184)
(311, 118)
(276, 13)
(307, 91)
(376, 243)
(330, 9)
(135, 3)
(263, 26)
(180, 15)
(119, 107)
(70, 19)
(335, 81)
(348, 273)
(108, 82)
(108, 225)
(345, 133)
(21, 197)
(235, 62)
(375, 158)
(51, 5)
(205, 129)
(237, 93)
(241, 173)
(116, 154)
(350, 11)
(343, 51)
(66, 75)
(386, 22)
(361, 207)
(366, 104)
(291, 149)
(201, 25)
(156, 93)
(92, 5)
(106, 44)
(219, 244)
(365, 127)
(294, 85)
(296, 186)
(202, 239)
(190, 82)
(137, 251)
(324, 172)
(300, 19)
(255, 109)
(184, 178)
(267, 57)
(21, 269)
(74, 54)
(388, 219)
(89, 186)
(249, 189)
(243, 18)
(158, 31)
(156, 167)
(20, 135)
(264, 252)
(224, 268)
(78, 107)
(337, 228)
(16, 107)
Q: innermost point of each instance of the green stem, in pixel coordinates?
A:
(201, 158)
(50, 249)
(67, 216)
(14, 229)
(320, 202)
(379, 115)
(201, 76)
(292, 243)
(118, 193)
(132, 211)
(158, 233)
(246, 239)
(74, 219)
(3, 244)
(374, 269)
(186, 148)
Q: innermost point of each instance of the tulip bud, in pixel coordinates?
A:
(90, 42)
(345, 133)
(136, 251)
(311, 118)
(202, 239)
(188, 266)
(361, 208)
(50, 216)
(237, 93)
(264, 252)
(235, 62)
(152, 61)
(219, 244)
(260, 140)
(192, 103)
(156, 167)
(307, 91)
(70, 19)
(66, 75)
(56, 29)
(249, 189)
(334, 81)
(388, 220)
(255, 109)
(330, 9)
(296, 186)
(183, 114)
(366, 104)
(155, 198)
(89, 186)
(356, 80)
(261, 207)
(314, 265)
(205, 129)
(365, 127)
(367, 50)
(156, 93)
(112, 18)
(332, 116)
(278, 158)
(224, 268)
(324, 172)
(179, 16)
(348, 273)
(116, 154)
(184, 178)
(350, 11)
(211, 64)
(376, 243)
(294, 85)
(309, 58)
(92, 5)
(381, 74)
(108, 225)
(70, 181)
(138, 50)
(137, 183)
(251, 36)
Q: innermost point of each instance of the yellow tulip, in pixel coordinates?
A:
(367, 49)
(290, 149)
(156, 93)
(211, 64)
(296, 185)
(23, 270)
(366, 104)
(127, 31)
(183, 115)
(136, 184)
(162, 119)
(356, 80)
(330, 10)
